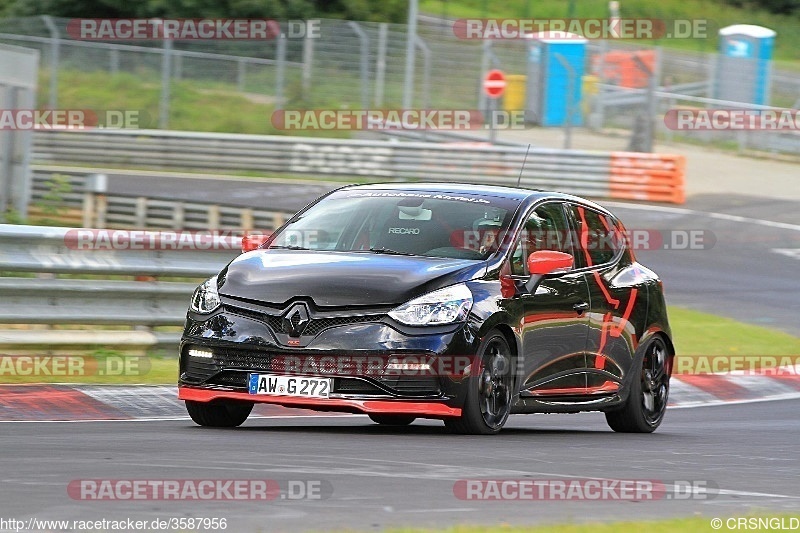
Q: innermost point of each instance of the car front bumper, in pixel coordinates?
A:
(354, 355)
(422, 409)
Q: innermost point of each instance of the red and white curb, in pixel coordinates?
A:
(40, 403)
(19, 403)
(694, 390)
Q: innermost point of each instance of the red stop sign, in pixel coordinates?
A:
(494, 84)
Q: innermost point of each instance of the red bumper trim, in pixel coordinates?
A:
(431, 409)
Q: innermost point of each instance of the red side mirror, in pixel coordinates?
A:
(548, 261)
(253, 241)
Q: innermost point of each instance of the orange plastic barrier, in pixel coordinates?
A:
(622, 69)
(652, 177)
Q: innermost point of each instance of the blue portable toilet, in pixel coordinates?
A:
(555, 73)
(744, 64)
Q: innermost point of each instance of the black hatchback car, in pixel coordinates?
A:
(464, 303)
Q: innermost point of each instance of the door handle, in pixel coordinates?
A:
(581, 307)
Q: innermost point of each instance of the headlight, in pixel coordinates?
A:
(205, 298)
(444, 306)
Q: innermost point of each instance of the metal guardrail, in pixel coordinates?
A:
(57, 250)
(100, 209)
(54, 301)
(76, 301)
(614, 95)
(574, 171)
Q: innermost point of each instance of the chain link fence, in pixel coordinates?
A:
(627, 86)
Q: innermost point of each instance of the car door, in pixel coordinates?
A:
(554, 324)
(611, 336)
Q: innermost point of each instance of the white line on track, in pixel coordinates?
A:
(165, 419)
(694, 212)
(728, 492)
(444, 473)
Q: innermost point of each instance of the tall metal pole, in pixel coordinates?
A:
(166, 67)
(308, 62)
(380, 66)
(426, 80)
(55, 45)
(166, 75)
(411, 41)
(280, 71)
(363, 39)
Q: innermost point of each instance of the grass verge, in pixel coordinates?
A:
(194, 105)
(101, 367)
(684, 525)
(697, 333)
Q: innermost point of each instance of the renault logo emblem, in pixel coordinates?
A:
(295, 320)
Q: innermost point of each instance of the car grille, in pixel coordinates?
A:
(417, 385)
(231, 378)
(244, 359)
(198, 370)
(355, 386)
(315, 325)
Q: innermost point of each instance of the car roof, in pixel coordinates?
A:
(527, 196)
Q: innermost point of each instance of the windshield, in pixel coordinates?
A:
(452, 225)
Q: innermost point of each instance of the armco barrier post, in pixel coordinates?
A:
(95, 186)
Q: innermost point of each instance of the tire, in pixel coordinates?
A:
(488, 399)
(392, 420)
(218, 415)
(646, 405)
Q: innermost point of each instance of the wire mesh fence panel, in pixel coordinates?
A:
(350, 65)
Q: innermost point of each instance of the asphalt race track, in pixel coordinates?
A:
(744, 454)
(749, 271)
(376, 477)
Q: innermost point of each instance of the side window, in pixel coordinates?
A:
(545, 229)
(597, 235)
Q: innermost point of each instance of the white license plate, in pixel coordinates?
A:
(278, 385)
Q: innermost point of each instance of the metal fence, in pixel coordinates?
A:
(656, 177)
(361, 65)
